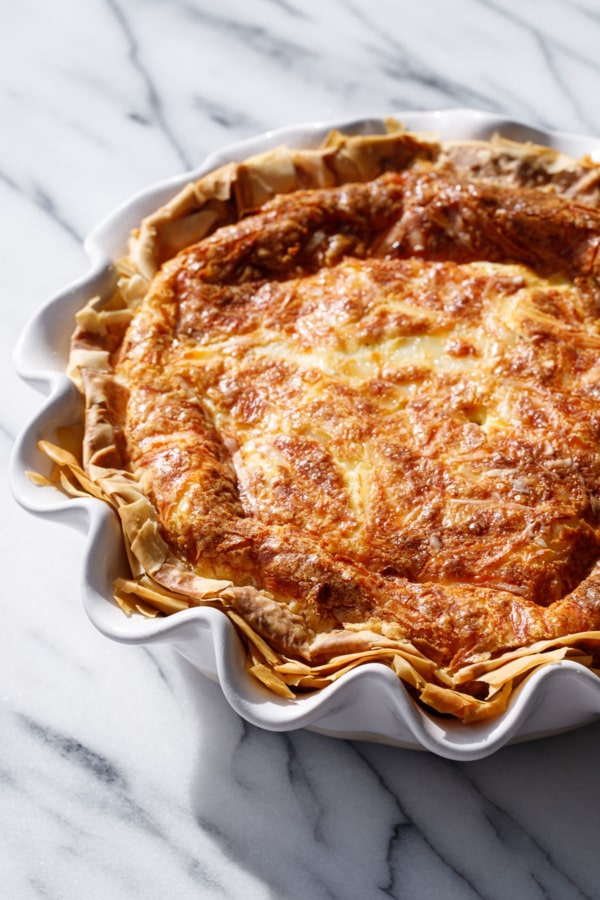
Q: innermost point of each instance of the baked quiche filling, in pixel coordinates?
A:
(350, 397)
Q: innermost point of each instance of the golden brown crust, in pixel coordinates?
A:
(368, 409)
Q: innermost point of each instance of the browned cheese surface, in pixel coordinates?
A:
(379, 403)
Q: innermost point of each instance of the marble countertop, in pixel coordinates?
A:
(123, 772)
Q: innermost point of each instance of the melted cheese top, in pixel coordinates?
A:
(380, 402)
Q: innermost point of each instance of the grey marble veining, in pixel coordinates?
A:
(123, 772)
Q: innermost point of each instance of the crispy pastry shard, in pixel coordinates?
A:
(349, 396)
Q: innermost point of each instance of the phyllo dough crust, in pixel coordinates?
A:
(350, 397)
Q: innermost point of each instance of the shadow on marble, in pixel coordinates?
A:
(315, 817)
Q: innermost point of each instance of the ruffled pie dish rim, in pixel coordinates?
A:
(369, 702)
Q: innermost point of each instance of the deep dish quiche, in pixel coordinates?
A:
(350, 396)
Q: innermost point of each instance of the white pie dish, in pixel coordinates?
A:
(368, 703)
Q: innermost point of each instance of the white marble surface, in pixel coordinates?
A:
(123, 773)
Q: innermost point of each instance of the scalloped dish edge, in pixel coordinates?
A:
(367, 703)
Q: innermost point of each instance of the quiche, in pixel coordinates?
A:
(350, 397)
